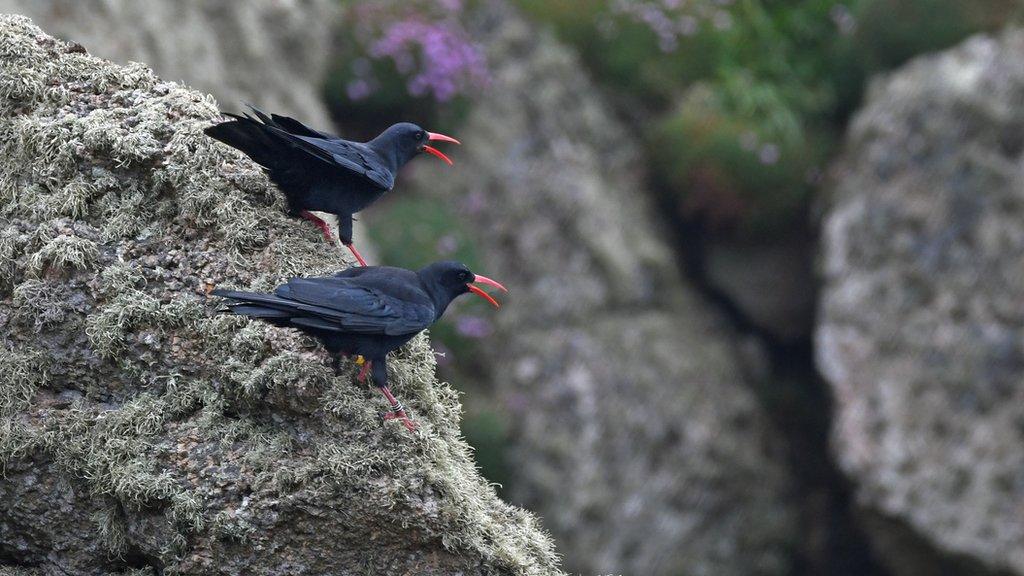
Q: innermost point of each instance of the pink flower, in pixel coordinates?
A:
(429, 48)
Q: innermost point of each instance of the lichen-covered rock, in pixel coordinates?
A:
(272, 53)
(921, 330)
(635, 435)
(138, 428)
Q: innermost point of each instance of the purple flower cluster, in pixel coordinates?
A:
(447, 64)
(671, 19)
(426, 44)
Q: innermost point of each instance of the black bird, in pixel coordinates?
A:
(322, 172)
(367, 311)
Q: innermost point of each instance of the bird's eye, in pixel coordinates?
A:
(463, 276)
(420, 135)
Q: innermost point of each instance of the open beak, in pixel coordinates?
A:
(435, 137)
(479, 292)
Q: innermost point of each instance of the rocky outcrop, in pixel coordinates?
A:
(141, 430)
(921, 333)
(272, 53)
(634, 433)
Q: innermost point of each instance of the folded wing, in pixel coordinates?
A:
(339, 305)
(276, 142)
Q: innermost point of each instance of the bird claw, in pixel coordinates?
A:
(400, 415)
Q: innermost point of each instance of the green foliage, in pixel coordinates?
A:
(890, 32)
(623, 53)
(718, 167)
(411, 232)
(751, 81)
(487, 432)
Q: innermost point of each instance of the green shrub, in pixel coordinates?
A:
(890, 32)
(749, 102)
(717, 166)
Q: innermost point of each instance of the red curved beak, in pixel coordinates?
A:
(435, 137)
(479, 292)
(437, 153)
(432, 136)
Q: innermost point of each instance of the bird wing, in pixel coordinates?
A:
(349, 305)
(407, 276)
(341, 154)
(299, 129)
(290, 125)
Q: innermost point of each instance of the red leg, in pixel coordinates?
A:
(352, 249)
(319, 224)
(397, 410)
(364, 371)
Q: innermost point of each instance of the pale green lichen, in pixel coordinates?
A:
(109, 329)
(21, 373)
(64, 252)
(43, 303)
(119, 214)
(285, 371)
(110, 525)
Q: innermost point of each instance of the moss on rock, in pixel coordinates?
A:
(192, 442)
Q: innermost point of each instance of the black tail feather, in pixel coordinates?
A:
(266, 307)
(293, 126)
(254, 298)
(256, 311)
(250, 137)
(262, 116)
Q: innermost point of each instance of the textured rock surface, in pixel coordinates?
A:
(921, 333)
(139, 429)
(635, 436)
(269, 52)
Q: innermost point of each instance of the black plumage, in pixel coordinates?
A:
(368, 311)
(321, 172)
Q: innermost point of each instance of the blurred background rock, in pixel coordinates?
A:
(764, 319)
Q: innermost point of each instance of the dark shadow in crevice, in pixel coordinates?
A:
(135, 559)
(918, 556)
(799, 403)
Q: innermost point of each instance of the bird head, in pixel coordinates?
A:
(448, 280)
(407, 140)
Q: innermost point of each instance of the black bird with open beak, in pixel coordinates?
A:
(321, 172)
(368, 311)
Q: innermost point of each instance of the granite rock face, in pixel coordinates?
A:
(139, 429)
(635, 435)
(272, 53)
(921, 328)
